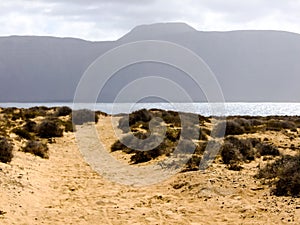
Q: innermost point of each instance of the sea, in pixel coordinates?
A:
(205, 109)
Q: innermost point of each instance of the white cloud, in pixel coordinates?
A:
(109, 20)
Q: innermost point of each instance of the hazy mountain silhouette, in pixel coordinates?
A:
(250, 65)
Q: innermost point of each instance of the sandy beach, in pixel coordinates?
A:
(64, 189)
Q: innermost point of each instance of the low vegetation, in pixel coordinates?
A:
(283, 175)
(37, 148)
(82, 116)
(49, 128)
(31, 126)
(6, 149)
(22, 133)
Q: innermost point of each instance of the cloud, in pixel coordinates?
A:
(109, 20)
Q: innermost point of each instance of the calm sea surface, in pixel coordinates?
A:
(206, 109)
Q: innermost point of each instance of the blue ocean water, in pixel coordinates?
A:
(205, 109)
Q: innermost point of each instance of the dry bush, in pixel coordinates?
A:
(30, 126)
(230, 154)
(173, 134)
(142, 115)
(37, 148)
(63, 111)
(49, 128)
(171, 117)
(277, 125)
(244, 146)
(35, 112)
(232, 128)
(6, 148)
(82, 116)
(68, 125)
(284, 175)
(267, 149)
(22, 133)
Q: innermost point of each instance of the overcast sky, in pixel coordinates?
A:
(110, 19)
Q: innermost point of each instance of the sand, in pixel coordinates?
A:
(64, 189)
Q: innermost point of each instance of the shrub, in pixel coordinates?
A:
(49, 128)
(173, 134)
(230, 154)
(284, 175)
(191, 132)
(267, 149)
(16, 116)
(244, 146)
(30, 126)
(3, 131)
(37, 148)
(63, 111)
(232, 128)
(142, 115)
(244, 123)
(171, 117)
(5, 150)
(22, 133)
(204, 133)
(193, 164)
(124, 124)
(277, 125)
(118, 145)
(69, 126)
(140, 125)
(82, 116)
(35, 111)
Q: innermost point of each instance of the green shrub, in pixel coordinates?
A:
(82, 116)
(49, 128)
(284, 175)
(37, 148)
(6, 148)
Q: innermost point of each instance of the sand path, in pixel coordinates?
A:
(65, 190)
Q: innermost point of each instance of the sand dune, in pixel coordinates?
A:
(64, 189)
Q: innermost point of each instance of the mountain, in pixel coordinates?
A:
(249, 65)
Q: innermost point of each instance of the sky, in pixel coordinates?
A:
(99, 20)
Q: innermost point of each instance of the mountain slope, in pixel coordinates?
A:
(249, 65)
